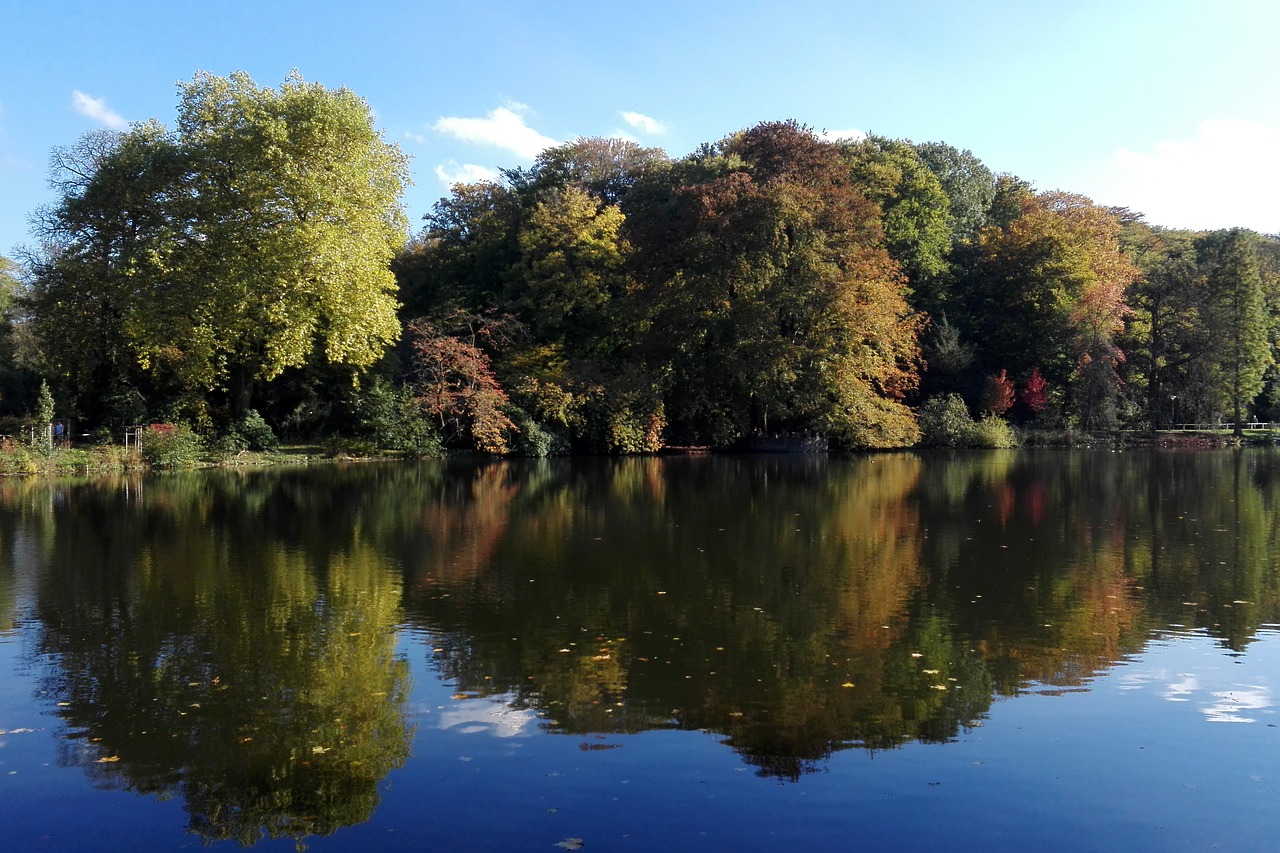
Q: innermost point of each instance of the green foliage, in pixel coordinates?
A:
(250, 239)
(254, 432)
(42, 435)
(1236, 312)
(389, 418)
(969, 185)
(533, 438)
(945, 422)
(992, 432)
(171, 446)
(915, 211)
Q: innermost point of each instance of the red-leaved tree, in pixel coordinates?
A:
(997, 394)
(1035, 393)
(454, 383)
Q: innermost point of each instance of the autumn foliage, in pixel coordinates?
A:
(456, 387)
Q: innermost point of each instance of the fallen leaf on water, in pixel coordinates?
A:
(847, 684)
(108, 759)
(571, 844)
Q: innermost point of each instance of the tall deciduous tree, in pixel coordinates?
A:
(915, 212)
(253, 238)
(772, 300)
(1048, 289)
(969, 186)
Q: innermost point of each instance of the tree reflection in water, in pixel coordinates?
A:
(802, 605)
(229, 638)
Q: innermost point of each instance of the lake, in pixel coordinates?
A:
(1056, 650)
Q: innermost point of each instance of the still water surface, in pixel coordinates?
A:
(995, 651)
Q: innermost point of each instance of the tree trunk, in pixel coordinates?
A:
(241, 389)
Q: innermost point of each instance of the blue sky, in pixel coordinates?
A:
(1170, 108)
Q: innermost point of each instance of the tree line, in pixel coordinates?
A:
(254, 261)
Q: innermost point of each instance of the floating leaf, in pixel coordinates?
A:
(571, 844)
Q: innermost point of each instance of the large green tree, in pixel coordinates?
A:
(1236, 311)
(1166, 333)
(254, 237)
(915, 212)
(969, 185)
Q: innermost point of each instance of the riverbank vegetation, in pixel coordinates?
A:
(249, 275)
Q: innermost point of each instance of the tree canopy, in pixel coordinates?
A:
(252, 238)
(610, 298)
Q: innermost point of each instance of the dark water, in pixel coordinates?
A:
(1000, 651)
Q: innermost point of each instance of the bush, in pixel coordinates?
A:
(992, 432)
(945, 422)
(388, 418)
(532, 438)
(254, 432)
(18, 458)
(226, 446)
(171, 446)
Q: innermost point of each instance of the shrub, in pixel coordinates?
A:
(992, 432)
(171, 446)
(388, 418)
(255, 432)
(533, 439)
(945, 422)
(18, 458)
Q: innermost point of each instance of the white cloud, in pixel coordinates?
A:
(97, 109)
(1233, 706)
(643, 123)
(624, 136)
(489, 716)
(419, 138)
(850, 135)
(451, 172)
(1222, 178)
(502, 128)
